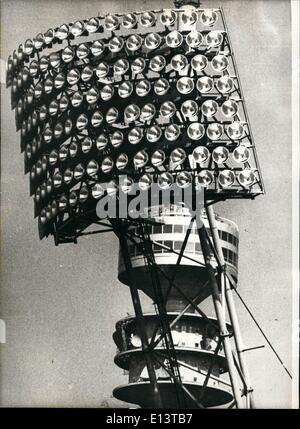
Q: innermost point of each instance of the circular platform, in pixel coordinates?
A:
(141, 393)
(122, 359)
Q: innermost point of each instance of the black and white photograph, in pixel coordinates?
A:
(149, 205)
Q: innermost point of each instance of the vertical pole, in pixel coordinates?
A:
(219, 312)
(231, 308)
(140, 320)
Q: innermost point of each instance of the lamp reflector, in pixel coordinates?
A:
(195, 131)
(145, 182)
(226, 178)
(201, 154)
(220, 155)
(165, 180)
(241, 154)
(184, 179)
(205, 178)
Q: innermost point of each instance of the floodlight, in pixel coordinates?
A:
(139, 64)
(185, 85)
(116, 44)
(97, 48)
(152, 41)
(143, 87)
(194, 39)
(179, 62)
(112, 188)
(214, 38)
(62, 32)
(125, 89)
(241, 154)
(122, 161)
(111, 22)
(172, 132)
(165, 180)
(129, 20)
(205, 178)
(184, 179)
(168, 109)
(92, 25)
(102, 70)
(92, 95)
(199, 62)
(157, 63)
(82, 51)
(86, 144)
(235, 130)
(134, 42)
(154, 133)
(220, 155)
(168, 17)
(107, 165)
(219, 63)
(209, 17)
(174, 39)
(79, 171)
(145, 182)
(147, 112)
(107, 93)
(97, 191)
(121, 66)
(131, 113)
(147, 19)
(246, 178)
(177, 156)
(189, 108)
(116, 138)
(229, 108)
(226, 178)
(135, 135)
(77, 28)
(101, 142)
(214, 131)
(158, 158)
(140, 159)
(201, 154)
(225, 84)
(209, 108)
(195, 131)
(161, 86)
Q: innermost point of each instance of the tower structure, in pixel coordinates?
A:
(148, 104)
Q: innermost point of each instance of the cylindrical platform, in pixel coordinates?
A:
(195, 340)
(168, 232)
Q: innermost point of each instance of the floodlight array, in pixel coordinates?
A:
(153, 96)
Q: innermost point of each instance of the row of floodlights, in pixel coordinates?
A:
(133, 43)
(195, 131)
(165, 181)
(200, 155)
(112, 23)
(141, 88)
(122, 66)
(174, 39)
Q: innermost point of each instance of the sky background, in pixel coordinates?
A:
(60, 304)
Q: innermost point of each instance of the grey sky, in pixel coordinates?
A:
(60, 304)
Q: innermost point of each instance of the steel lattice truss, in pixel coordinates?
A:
(152, 96)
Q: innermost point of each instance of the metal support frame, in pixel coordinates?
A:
(219, 308)
(231, 308)
(120, 231)
(224, 334)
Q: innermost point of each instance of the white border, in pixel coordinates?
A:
(295, 10)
